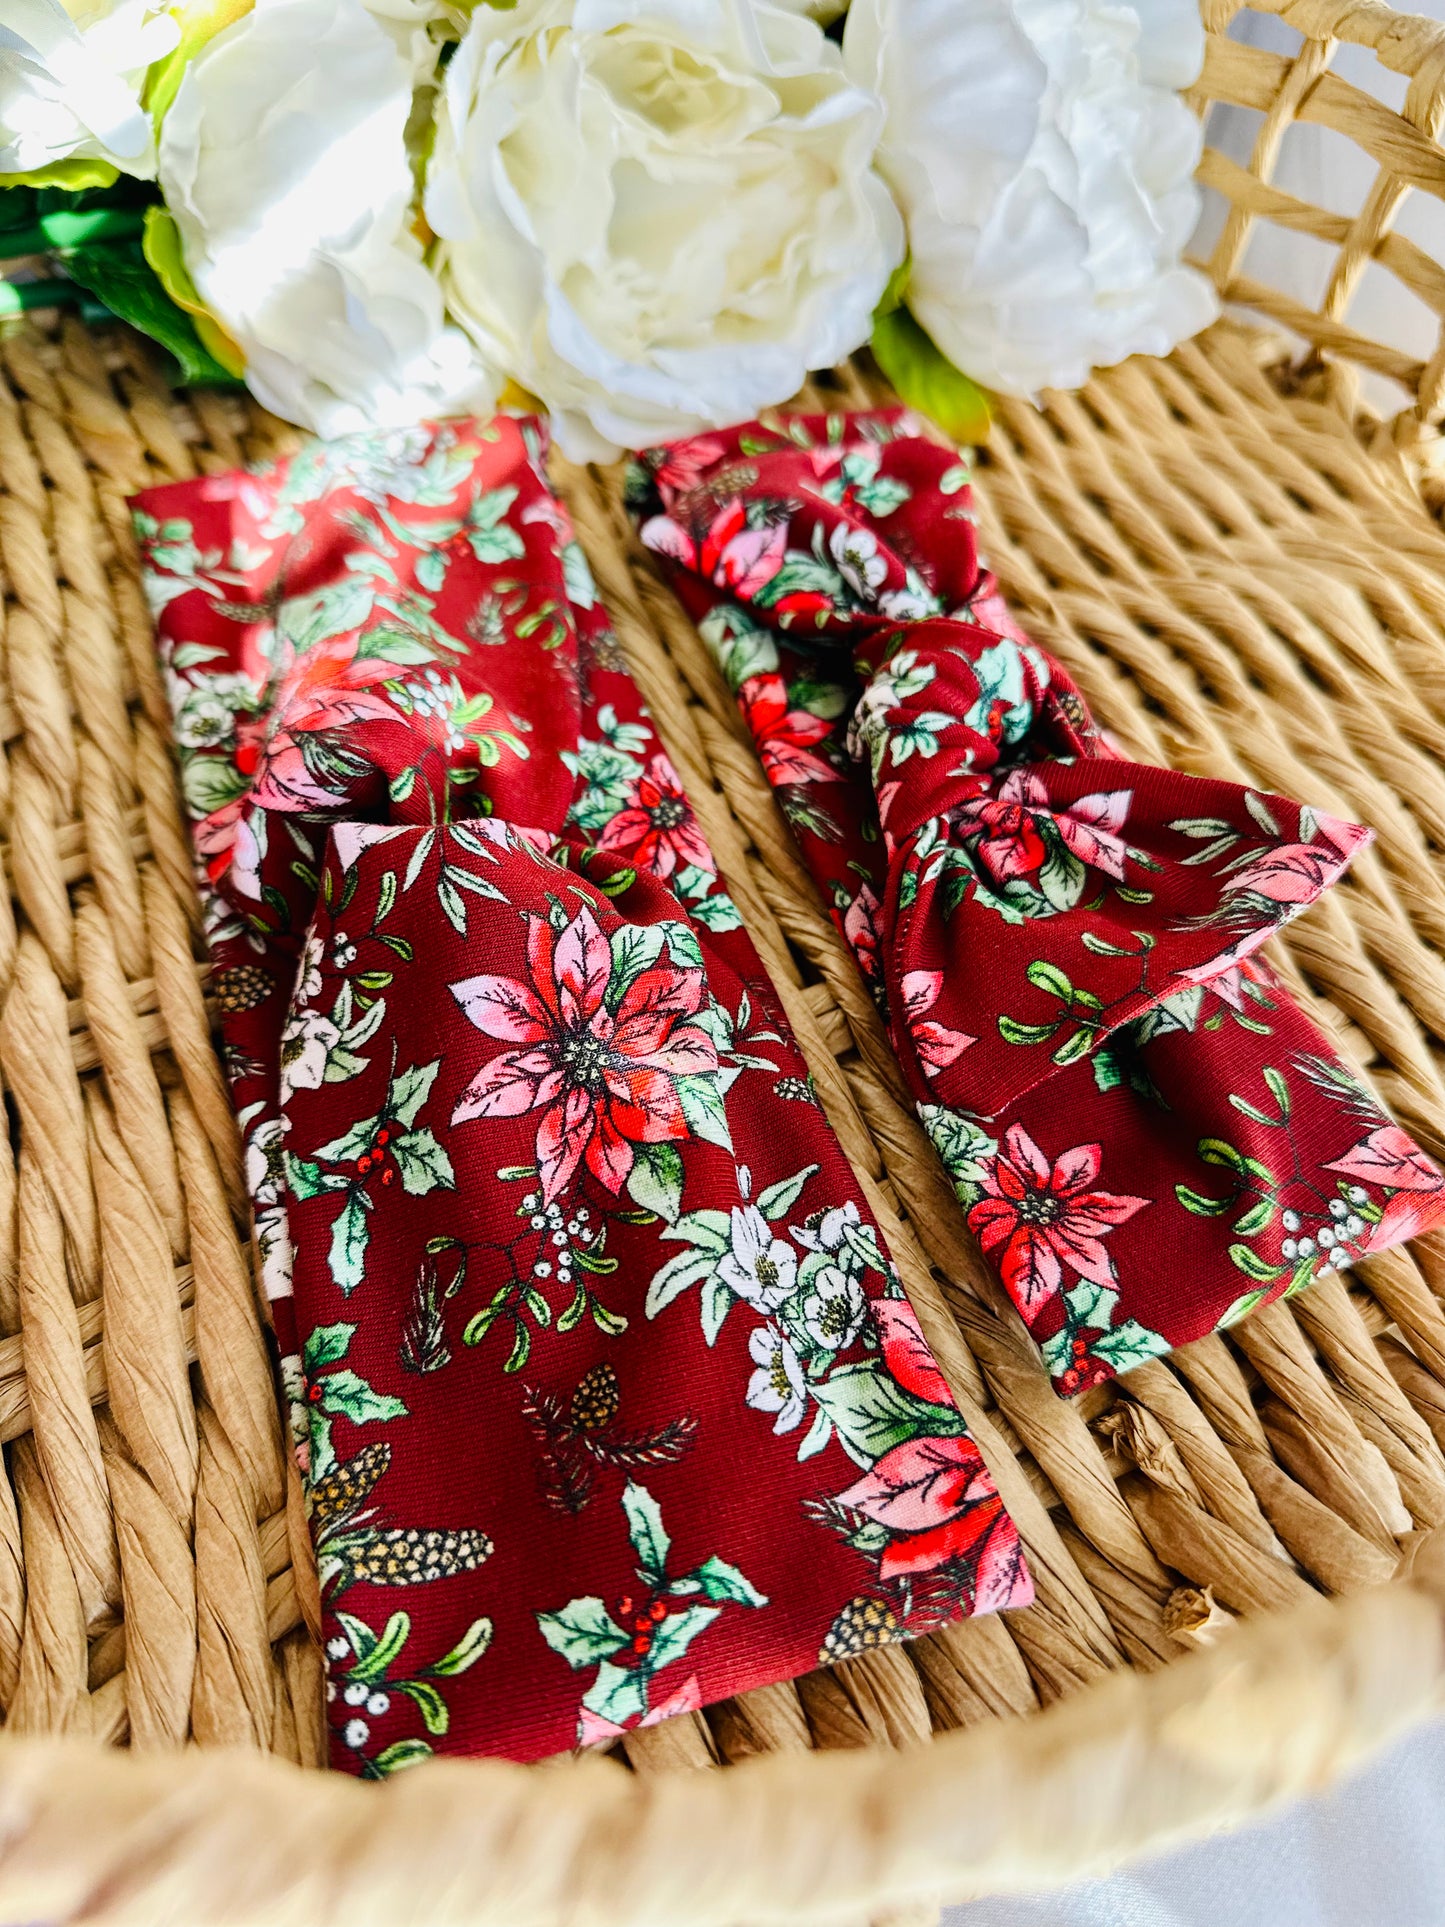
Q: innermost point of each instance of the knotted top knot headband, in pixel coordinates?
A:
(609, 1397)
(1149, 1136)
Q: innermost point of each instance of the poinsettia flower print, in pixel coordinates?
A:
(733, 553)
(860, 928)
(1292, 875)
(1046, 1216)
(784, 737)
(323, 688)
(1390, 1159)
(937, 1499)
(937, 1046)
(603, 1078)
(1011, 844)
(657, 828)
(905, 1351)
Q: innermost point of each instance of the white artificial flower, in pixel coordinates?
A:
(70, 81)
(284, 161)
(757, 1266)
(778, 1384)
(823, 11)
(1045, 170)
(661, 223)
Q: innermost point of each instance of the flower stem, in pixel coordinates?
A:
(71, 228)
(19, 297)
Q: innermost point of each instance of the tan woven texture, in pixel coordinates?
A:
(1240, 1586)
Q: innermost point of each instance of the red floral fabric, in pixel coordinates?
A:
(1149, 1137)
(609, 1398)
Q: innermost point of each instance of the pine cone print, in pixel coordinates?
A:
(348, 1484)
(411, 1555)
(863, 1622)
(798, 1088)
(241, 987)
(595, 1401)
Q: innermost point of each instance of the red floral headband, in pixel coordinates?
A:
(610, 1400)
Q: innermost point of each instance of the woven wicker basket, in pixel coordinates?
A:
(1242, 569)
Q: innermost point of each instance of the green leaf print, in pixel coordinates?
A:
(677, 1632)
(467, 1651)
(872, 1413)
(433, 1708)
(374, 1652)
(583, 1632)
(655, 1180)
(410, 1090)
(700, 1096)
(423, 1164)
(347, 1392)
(721, 1581)
(491, 536)
(645, 1529)
(777, 1200)
(325, 1345)
(349, 1238)
(616, 1695)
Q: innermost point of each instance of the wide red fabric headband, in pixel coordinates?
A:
(1149, 1136)
(609, 1398)
(608, 1395)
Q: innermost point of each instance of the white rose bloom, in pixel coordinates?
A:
(70, 81)
(657, 224)
(1045, 171)
(283, 159)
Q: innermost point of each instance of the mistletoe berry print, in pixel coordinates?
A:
(1148, 1136)
(606, 1392)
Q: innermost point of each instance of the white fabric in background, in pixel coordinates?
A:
(1327, 170)
(1370, 1853)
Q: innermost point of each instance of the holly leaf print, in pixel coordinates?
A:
(410, 1090)
(721, 1581)
(349, 1238)
(325, 1345)
(645, 1529)
(305, 1178)
(423, 1164)
(616, 1695)
(583, 1632)
(1128, 1344)
(340, 1150)
(677, 1632)
(347, 1393)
